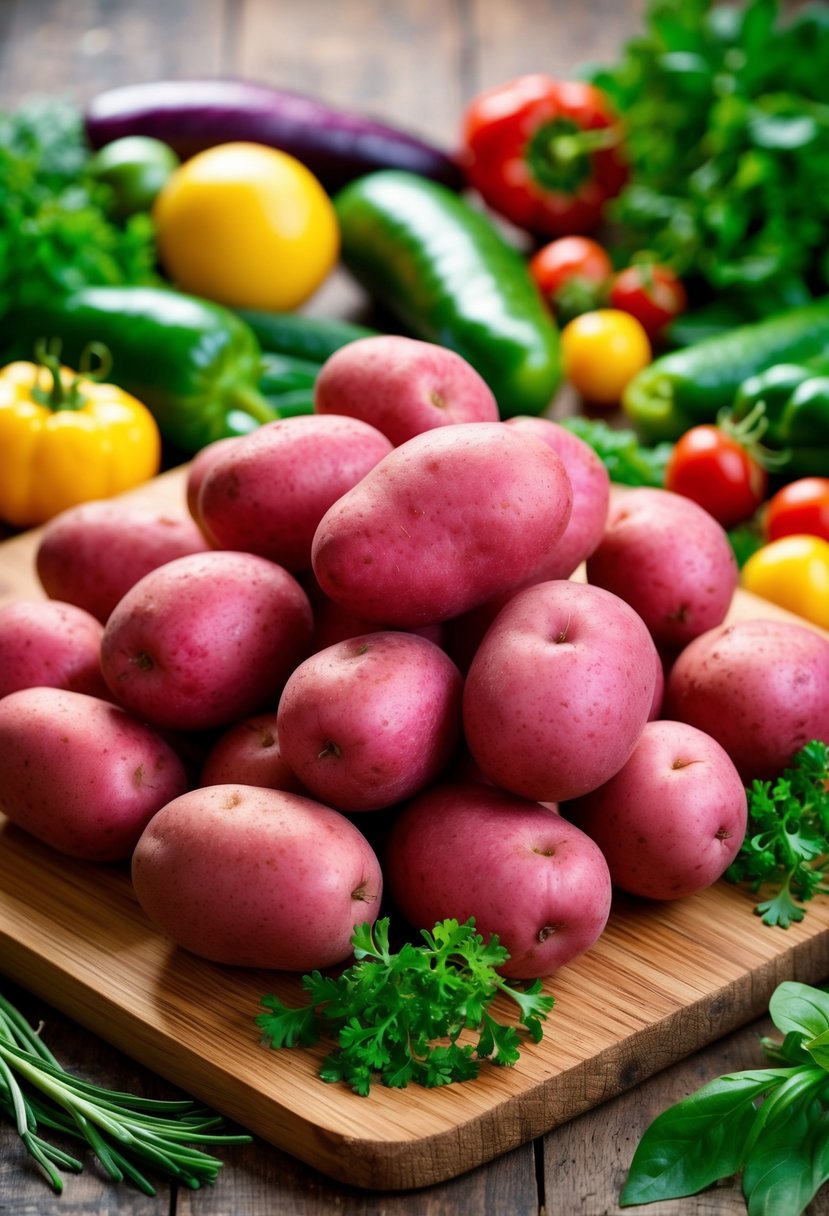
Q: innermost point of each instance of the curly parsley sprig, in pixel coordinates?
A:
(786, 847)
(398, 1016)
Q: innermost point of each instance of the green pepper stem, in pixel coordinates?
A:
(57, 396)
(566, 147)
(250, 401)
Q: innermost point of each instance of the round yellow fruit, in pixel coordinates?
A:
(246, 226)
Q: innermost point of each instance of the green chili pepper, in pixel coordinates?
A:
(285, 374)
(690, 386)
(290, 402)
(795, 403)
(194, 364)
(446, 272)
(298, 336)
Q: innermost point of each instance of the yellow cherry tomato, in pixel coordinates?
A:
(601, 351)
(794, 573)
(247, 226)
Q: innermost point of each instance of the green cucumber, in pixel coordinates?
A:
(301, 337)
(690, 386)
(450, 277)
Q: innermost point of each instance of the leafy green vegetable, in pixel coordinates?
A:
(726, 110)
(399, 1015)
(56, 233)
(786, 846)
(771, 1125)
(627, 460)
(125, 1133)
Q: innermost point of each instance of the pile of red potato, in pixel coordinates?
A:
(356, 660)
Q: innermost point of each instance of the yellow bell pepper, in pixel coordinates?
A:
(794, 573)
(66, 438)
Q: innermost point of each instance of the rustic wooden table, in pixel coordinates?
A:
(414, 63)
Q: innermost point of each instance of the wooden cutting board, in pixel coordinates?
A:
(662, 981)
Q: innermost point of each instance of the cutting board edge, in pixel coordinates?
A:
(418, 1162)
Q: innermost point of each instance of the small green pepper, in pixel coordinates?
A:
(194, 364)
(795, 403)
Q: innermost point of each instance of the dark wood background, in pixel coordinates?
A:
(413, 63)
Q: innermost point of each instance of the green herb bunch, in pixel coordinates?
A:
(398, 1016)
(726, 110)
(786, 847)
(127, 1134)
(770, 1125)
(628, 461)
(56, 230)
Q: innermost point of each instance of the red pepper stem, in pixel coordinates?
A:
(565, 147)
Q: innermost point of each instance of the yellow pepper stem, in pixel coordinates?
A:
(58, 395)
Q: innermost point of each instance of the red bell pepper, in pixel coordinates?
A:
(545, 154)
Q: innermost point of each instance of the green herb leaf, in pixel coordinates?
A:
(800, 1009)
(126, 1133)
(57, 231)
(725, 111)
(699, 1140)
(786, 1169)
(628, 462)
(398, 1016)
(786, 847)
(771, 1126)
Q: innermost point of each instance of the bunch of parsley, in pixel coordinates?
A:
(399, 1015)
(726, 111)
(56, 230)
(786, 847)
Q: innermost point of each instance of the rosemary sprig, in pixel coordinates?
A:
(127, 1134)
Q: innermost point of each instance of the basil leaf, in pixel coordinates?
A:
(818, 1049)
(699, 1140)
(789, 1165)
(801, 1008)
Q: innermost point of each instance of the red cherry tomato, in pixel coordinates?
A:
(716, 471)
(572, 274)
(800, 507)
(652, 293)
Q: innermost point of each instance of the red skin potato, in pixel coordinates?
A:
(523, 872)
(302, 877)
(591, 496)
(446, 521)
(403, 386)
(669, 559)
(92, 554)
(268, 492)
(50, 644)
(559, 690)
(759, 687)
(371, 720)
(205, 640)
(197, 471)
(247, 753)
(672, 820)
(82, 774)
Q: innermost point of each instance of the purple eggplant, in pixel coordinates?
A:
(336, 145)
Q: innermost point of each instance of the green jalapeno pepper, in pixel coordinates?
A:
(795, 404)
(194, 364)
